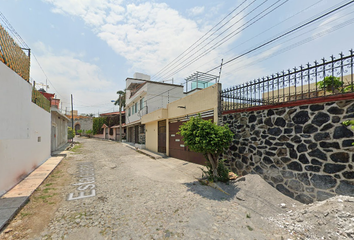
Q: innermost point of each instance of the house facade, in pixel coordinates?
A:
(113, 129)
(59, 122)
(143, 97)
(162, 125)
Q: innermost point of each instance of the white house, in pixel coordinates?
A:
(142, 97)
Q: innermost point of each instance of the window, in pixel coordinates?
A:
(133, 109)
(136, 107)
(129, 112)
(141, 103)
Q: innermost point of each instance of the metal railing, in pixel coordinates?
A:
(13, 56)
(315, 80)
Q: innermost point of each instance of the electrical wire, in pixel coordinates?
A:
(284, 34)
(229, 36)
(297, 44)
(201, 48)
(267, 30)
(201, 37)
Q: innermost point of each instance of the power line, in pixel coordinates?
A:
(229, 36)
(201, 38)
(201, 48)
(284, 34)
(262, 33)
(299, 43)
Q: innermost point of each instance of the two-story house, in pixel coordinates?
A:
(144, 96)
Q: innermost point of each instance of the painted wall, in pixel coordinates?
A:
(60, 122)
(25, 130)
(200, 101)
(151, 136)
(303, 151)
(156, 96)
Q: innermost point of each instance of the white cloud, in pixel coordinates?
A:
(72, 76)
(195, 11)
(148, 34)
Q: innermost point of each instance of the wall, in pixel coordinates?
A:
(151, 136)
(85, 123)
(303, 151)
(200, 101)
(24, 130)
(159, 95)
(60, 122)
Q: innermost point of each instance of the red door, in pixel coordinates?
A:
(179, 150)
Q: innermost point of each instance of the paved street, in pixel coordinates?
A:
(114, 192)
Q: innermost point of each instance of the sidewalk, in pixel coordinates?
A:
(12, 201)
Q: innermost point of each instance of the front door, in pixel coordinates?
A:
(137, 134)
(162, 136)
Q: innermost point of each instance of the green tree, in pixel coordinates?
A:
(207, 138)
(98, 123)
(330, 83)
(120, 100)
(71, 133)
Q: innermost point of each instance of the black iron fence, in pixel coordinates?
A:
(323, 78)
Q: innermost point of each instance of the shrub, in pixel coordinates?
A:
(330, 83)
(71, 133)
(207, 138)
(223, 172)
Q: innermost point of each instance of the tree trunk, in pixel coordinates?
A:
(213, 163)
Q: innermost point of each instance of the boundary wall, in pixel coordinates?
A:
(25, 130)
(303, 151)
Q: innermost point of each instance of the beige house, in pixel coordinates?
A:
(161, 126)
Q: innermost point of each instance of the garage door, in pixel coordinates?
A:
(177, 147)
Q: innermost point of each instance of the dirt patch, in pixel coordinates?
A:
(37, 213)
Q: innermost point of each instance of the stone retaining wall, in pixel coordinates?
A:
(304, 151)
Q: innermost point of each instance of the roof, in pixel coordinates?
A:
(77, 116)
(117, 126)
(149, 81)
(111, 113)
(53, 109)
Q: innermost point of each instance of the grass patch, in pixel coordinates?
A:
(248, 215)
(24, 214)
(76, 148)
(249, 228)
(49, 184)
(46, 190)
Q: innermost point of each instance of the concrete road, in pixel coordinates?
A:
(118, 193)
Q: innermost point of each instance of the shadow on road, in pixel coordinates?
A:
(212, 193)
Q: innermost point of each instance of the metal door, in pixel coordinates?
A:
(162, 136)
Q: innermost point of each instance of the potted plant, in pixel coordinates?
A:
(331, 84)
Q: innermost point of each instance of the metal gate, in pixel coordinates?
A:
(162, 136)
(177, 147)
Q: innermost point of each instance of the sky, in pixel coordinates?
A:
(88, 48)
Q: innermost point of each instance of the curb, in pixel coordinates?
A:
(17, 197)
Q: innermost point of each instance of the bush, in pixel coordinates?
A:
(207, 138)
(223, 173)
(330, 83)
(71, 133)
(98, 123)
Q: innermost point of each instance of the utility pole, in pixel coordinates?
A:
(120, 117)
(72, 118)
(222, 61)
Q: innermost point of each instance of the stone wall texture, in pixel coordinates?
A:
(304, 151)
